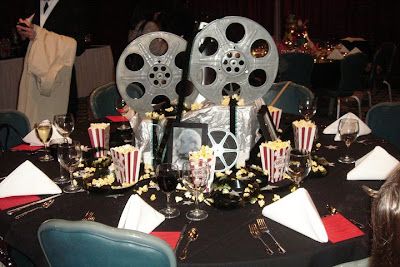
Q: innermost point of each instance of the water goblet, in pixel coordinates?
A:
(64, 124)
(308, 108)
(69, 156)
(348, 130)
(167, 178)
(298, 166)
(195, 178)
(44, 131)
(122, 108)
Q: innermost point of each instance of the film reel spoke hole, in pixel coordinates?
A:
(184, 88)
(235, 32)
(208, 46)
(230, 89)
(158, 47)
(259, 48)
(135, 90)
(160, 102)
(134, 62)
(257, 78)
(181, 59)
(209, 76)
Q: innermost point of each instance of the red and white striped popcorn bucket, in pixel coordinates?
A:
(304, 137)
(100, 139)
(127, 165)
(274, 162)
(203, 162)
(276, 115)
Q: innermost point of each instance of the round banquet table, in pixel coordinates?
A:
(224, 239)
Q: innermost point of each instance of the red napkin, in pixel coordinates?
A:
(170, 237)
(25, 147)
(9, 202)
(339, 228)
(117, 118)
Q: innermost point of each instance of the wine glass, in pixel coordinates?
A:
(122, 108)
(44, 131)
(348, 130)
(299, 165)
(308, 108)
(195, 178)
(167, 178)
(69, 156)
(64, 124)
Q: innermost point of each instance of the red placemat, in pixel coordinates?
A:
(9, 202)
(25, 147)
(339, 228)
(117, 118)
(170, 237)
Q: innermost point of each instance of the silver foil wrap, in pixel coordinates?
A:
(217, 117)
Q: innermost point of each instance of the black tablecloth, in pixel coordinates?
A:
(224, 239)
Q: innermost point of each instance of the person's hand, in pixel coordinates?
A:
(25, 29)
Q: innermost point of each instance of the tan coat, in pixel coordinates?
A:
(46, 78)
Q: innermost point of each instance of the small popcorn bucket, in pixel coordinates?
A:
(126, 160)
(274, 162)
(99, 134)
(202, 162)
(304, 136)
(276, 115)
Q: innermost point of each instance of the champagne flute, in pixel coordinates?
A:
(44, 131)
(122, 108)
(69, 156)
(167, 178)
(308, 108)
(64, 124)
(299, 165)
(195, 178)
(348, 130)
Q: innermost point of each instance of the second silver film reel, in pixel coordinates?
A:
(149, 71)
(233, 55)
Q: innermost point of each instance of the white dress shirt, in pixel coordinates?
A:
(45, 15)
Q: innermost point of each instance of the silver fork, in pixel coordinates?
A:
(255, 232)
(264, 228)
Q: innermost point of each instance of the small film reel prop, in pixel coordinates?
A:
(225, 147)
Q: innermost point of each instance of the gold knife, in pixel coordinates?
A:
(181, 235)
(12, 211)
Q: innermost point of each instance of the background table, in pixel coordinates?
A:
(224, 237)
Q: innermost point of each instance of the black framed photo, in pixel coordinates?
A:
(184, 138)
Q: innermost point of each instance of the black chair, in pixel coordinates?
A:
(296, 67)
(383, 121)
(102, 100)
(86, 243)
(381, 68)
(14, 125)
(350, 85)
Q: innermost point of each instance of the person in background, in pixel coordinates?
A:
(385, 217)
(65, 18)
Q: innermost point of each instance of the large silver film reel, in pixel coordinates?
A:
(149, 70)
(233, 55)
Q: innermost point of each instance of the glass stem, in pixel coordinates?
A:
(168, 199)
(71, 177)
(196, 200)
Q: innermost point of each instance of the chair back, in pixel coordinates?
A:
(383, 61)
(351, 70)
(102, 100)
(382, 119)
(296, 67)
(14, 125)
(86, 243)
(290, 98)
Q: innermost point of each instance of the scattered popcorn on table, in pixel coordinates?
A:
(170, 109)
(318, 145)
(196, 106)
(188, 194)
(276, 197)
(178, 199)
(261, 203)
(294, 188)
(153, 197)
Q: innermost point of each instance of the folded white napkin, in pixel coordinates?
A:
(140, 216)
(335, 55)
(375, 165)
(32, 139)
(333, 127)
(27, 179)
(355, 50)
(297, 211)
(343, 49)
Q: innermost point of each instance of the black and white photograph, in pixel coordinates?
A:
(186, 137)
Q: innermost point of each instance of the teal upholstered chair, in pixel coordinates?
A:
(383, 121)
(290, 98)
(14, 125)
(102, 100)
(296, 67)
(86, 243)
(351, 70)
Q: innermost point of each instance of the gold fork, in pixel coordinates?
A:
(264, 229)
(255, 232)
(89, 216)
